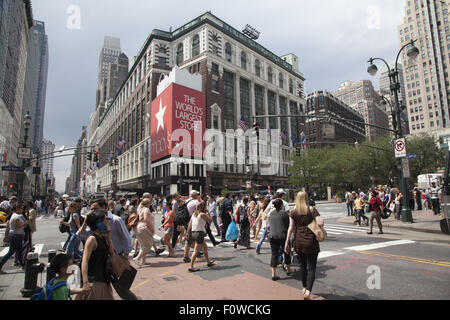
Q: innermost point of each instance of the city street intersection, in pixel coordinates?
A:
(410, 265)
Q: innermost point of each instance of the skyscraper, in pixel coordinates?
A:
(361, 96)
(426, 78)
(42, 40)
(16, 20)
(109, 53)
(47, 147)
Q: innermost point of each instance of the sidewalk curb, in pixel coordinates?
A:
(406, 227)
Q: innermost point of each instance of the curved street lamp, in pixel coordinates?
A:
(412, 53)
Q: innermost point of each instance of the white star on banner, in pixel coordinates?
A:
(160, 116)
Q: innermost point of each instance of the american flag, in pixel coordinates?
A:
(294, 139)
(110, 156)
(242, 124)
(303, 139)
(283, 135)
(121, 142)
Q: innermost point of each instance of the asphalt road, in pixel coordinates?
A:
(398, 265)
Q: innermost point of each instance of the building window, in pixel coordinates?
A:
(271, 99)
(270, 75)
(291, 86)
(215, 77)
(259, 103)
(245, 100)
(228, 52)
(243, 60)
(258, 68)
(196, 46)
(281, 81)
(163, 62)
(179, 54)
(215, 122)
(229, 110)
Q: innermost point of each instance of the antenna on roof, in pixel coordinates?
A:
(251, 32)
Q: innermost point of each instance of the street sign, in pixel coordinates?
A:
(412, 156)
(24, 153)
(400, 148)
(11, 168)
(405, 163)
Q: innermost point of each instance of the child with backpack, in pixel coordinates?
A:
(57, 289)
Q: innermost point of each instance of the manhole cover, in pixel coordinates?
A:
(170, 278)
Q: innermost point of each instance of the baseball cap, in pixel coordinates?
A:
(281, 191)
(194, 193)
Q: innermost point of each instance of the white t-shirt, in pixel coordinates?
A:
(198, 223)
(12, 229)
(192, 206)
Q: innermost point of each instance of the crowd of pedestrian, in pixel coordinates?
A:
(99, 231)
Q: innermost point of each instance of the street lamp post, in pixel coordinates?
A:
(412, 53)
(26, 123)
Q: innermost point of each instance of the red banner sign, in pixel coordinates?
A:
(178, 123)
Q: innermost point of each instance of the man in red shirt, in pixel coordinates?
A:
(376, 207)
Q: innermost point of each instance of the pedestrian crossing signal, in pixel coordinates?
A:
(96, 157)
(89, 156)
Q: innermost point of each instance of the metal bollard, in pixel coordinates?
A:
(50, 272)
(32, 269)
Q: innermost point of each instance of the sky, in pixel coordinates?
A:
(332, 38)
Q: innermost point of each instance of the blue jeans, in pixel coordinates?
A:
(264, 235)
(349, 209)
(216, 224)
(361, 214)
(73, 245)
(15, 244)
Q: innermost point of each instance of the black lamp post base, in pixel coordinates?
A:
(406, 216)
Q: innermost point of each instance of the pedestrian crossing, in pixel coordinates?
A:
(37, 248)
(332, 230)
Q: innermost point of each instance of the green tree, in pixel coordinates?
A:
(430, 157)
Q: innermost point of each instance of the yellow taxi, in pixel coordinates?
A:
(3, 216)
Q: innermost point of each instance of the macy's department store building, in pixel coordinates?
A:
(215, 77)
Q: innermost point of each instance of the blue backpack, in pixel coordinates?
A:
(46, 292)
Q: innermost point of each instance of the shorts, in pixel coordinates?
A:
(169, 230)
(196, 237)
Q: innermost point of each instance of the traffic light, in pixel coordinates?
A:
(96, 157)
(256, 127)
(12, 187)
(89, 156)
(116, 161)
(297, 149)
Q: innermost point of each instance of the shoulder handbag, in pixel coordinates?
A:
(319, 231)
(133, 220)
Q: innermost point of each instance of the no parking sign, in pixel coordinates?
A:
(400, 148)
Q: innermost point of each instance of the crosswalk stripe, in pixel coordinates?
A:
(38, 248)
(326, 254)
(4, 252)
(346, 227)
(335, 233)
(379, 245)
(337, 230)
